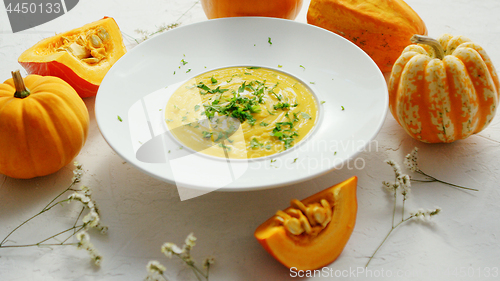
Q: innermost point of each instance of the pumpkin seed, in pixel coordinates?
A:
(78, 51)
(98, 53)
(95, 41)
(103, 34)
(81, 41)
(301, 218)
(294, 226)
(91, 60)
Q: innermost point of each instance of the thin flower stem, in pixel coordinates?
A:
(38, 245)
(60, 194)
(433, 179)
(403, 209)
(196, 273)
(196, 3)
(394, 208)
(387, 236)
(62, 232)
(45, 209)
(51, 237)
(26, 221)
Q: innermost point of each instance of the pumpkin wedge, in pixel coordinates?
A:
(381, 28)
(81, 56)
(313, 232)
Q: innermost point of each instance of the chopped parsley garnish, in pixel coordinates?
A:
(213, 80)
(254, 143)
(196, 107)
(253, 67)
(342, 107)
(305, 115)
(263, 124)
(285, 135)
(183, 62)
(204, 89)
(269, 40)
(119, 118)
(322, 102)
(224, 146)
(189, 70)
(302, 67)
(281, 105)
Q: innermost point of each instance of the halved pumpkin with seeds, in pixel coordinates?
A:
(81, 56)
(313, 232)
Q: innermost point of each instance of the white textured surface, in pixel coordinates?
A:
(142, 213)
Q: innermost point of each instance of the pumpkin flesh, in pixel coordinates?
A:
(81, 56)
(43, 132)
(305, 252)
(440, 100)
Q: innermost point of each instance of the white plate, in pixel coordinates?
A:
(352, 91)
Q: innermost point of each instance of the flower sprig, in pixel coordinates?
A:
(145, 35)
(156, 270)
(79, 229)
(412, 165)
(401, 186)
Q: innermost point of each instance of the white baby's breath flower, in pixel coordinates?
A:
(103, 229)
(91, 219)
(426, 215)
(77, 172)
(84, 243)
(395, 166)
(155, 267)
(411, 160)
(83, 239)
(170, 248)
(208, 261)
(190, 240)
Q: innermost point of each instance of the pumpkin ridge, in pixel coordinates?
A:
(463, 90)
(484, 86)
(22, 138)
(65, 122)
(45, 130)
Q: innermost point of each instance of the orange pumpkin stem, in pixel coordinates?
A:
(21, 90)
(420, 39)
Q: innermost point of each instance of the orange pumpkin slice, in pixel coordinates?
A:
(324, 242)
(81, 56)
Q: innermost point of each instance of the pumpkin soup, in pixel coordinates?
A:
(241, 112)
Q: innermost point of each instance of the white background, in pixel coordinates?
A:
(142, 213)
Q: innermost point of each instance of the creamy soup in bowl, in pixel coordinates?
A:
(241, 112)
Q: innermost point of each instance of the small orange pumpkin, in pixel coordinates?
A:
(287, 9)
(313, 232)
(445, 90)
(43, 125)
